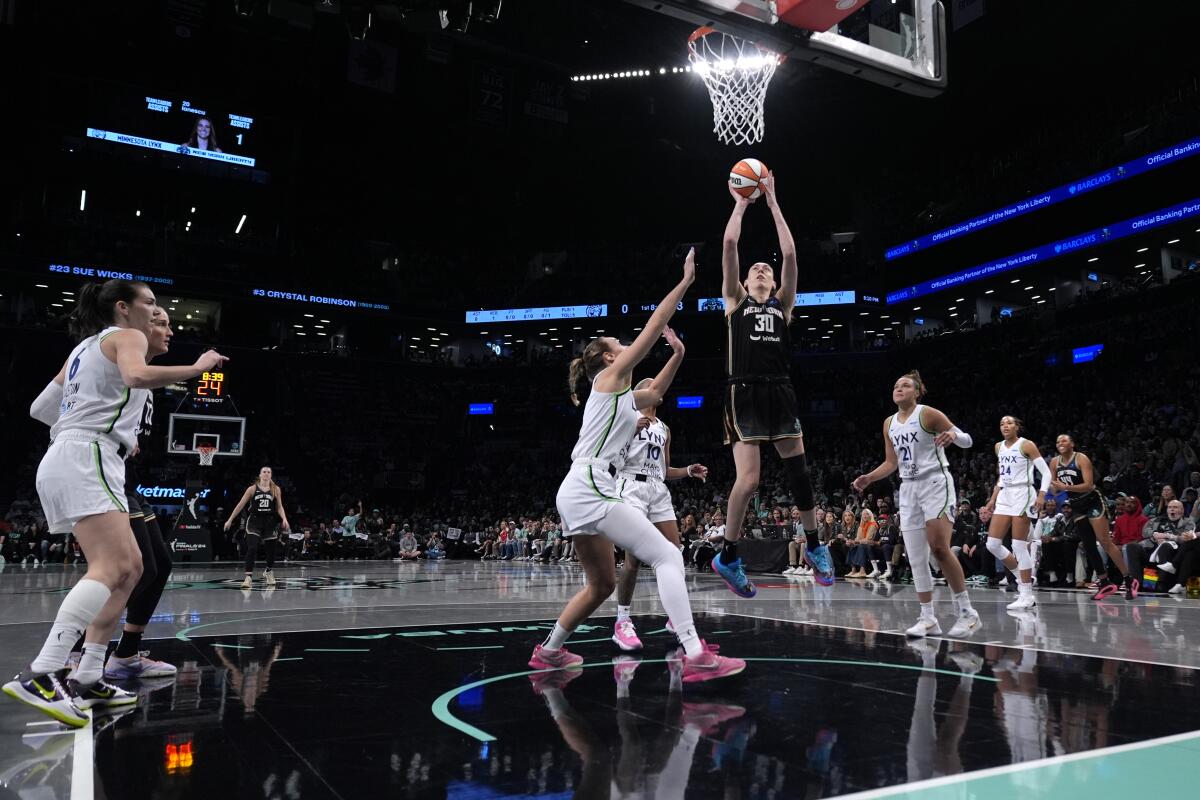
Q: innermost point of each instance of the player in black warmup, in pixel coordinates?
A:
(1073, 474)
(760, 403)
(266, 503)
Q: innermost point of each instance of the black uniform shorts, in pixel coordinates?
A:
(760, 410)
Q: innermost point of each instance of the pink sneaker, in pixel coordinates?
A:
(708, 666)
(625, 636)
(554, 659)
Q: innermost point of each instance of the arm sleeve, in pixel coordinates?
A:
(1044, 470)
(962, 438)
(45, 408)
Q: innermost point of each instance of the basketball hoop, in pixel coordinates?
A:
(207, 453)
(736, 73)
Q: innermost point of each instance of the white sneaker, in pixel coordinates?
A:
(874, 573)
(1025, 601)
(806, 571)
(1167, 566)
(968, 622)
(248, 582)
(1176, 589)
(887, 574)
(789, 571)
(925, 627)
(269, 577)
(1003, 582)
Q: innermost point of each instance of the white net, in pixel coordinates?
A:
(207, 454)
(736, 73)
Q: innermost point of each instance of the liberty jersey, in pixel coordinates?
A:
(95, 397)
(1016, 469)
(916, 455)
(262, 504)
(758, 339)
(1072, 475)
(609, 422)
(646, 452)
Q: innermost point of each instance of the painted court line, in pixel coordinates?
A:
(979, 783)
(481, 647)
(82, 775)
(441, 706)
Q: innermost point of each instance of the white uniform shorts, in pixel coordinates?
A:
(651, 497)
(80, 476)
(585, 497)
(1016, 501)
(924, 500)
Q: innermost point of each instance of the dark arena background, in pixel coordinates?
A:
(411, 215)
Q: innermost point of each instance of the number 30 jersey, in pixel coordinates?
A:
(758, 340)
(916, 454)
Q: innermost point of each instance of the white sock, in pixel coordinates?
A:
(91, 664)
(927, 611)
(676, 682)
(690, 641)
(557, 638)
(963, 601)
(78, 609)
(1025, 588)
(622, 613)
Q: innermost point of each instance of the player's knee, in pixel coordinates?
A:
(603, 587)
(747, 483)
(801, 479)
(996, 547)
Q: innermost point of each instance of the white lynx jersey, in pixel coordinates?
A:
(646, 452)
(95, 397)
(916, 455)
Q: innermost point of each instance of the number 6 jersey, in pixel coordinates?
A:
(916, 455)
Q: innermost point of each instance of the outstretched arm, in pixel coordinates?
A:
(787, 249)
(632, 355)
(883, 470)
(241, 504)
(731, 271)
(675, 473)
(651, 396)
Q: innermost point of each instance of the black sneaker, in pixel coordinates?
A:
(100, 694)
(48, 694)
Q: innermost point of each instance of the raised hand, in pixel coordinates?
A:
(738, 200)
(673, 340)
(689, 266)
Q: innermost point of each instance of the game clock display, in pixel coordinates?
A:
(210, 388)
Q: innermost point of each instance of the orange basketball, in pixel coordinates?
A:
(745, 177)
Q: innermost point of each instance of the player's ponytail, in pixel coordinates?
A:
(918, 384)
(94, 306)
(585, 367)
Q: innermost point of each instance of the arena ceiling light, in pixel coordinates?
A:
(1144, 249)
(1015, 280)
(1139, 266)
(325, 321)
(238, 229)
(1029, 288)
(1093, 259)
(1173, 241)
(83, 200)
(990, 291)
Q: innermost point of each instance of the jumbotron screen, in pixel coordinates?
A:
(175, 123)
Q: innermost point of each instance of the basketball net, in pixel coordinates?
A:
(207, 453)
(736, 73)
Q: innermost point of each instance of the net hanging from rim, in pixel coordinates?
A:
(736, 73)
(207, 453)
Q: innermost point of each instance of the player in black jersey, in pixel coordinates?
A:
(760, 403)
(129, 661)
(1073, 474)
(266, 503)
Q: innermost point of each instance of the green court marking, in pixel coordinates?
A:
(368, 636)
(337, 650)
(183, 634)
(234, 646)
(441, 706)
(1121, 770)
(294, 658)
(481, 647)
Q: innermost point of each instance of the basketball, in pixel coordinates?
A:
(745, 177)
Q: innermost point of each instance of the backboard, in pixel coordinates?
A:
(900, 44)
(186, 432)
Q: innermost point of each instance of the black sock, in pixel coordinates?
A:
(729, 552)
(811, 540)
(78, 646)
(129, 644)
